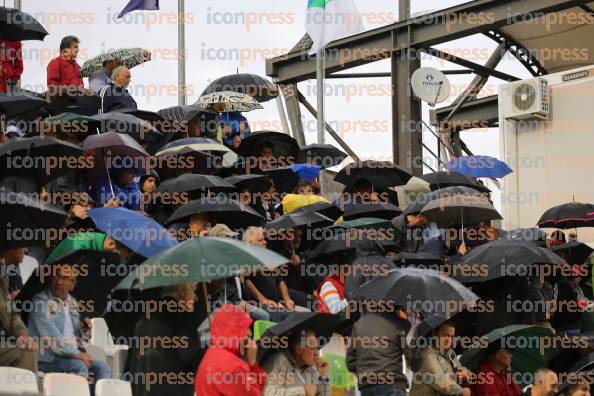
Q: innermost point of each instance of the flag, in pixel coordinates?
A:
(134, 5)
(329, 20)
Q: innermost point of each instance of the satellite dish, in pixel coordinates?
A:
(430, 85)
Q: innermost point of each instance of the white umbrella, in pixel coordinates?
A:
(233, 101)
(130, 57)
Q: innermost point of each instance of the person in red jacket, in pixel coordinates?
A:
(64, 70)
(223, 370)
(493, 375)
(11, 64)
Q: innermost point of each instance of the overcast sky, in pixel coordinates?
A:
(217, 30)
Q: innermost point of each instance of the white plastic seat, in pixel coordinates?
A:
(18, 380)
(61, 384)
(116, 354)
(113, 387)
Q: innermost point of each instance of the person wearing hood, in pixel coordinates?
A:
(123, 187)
(229, 367)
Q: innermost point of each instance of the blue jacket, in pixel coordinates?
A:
(46, 325)
(129, 195)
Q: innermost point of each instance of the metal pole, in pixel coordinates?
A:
(281, 112)
(181, 44)
(320, 83)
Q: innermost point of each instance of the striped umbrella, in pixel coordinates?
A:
(130, 57)
(233, 101)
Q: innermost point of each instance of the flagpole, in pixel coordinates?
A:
(181, 45)
(320, 58)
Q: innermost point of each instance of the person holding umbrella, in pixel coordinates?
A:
(25, 354)
(496, 366)
(229, 366)
(439, 374)
(102, 77)
(11, 64)
(64, 71)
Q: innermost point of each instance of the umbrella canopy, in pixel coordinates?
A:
(200, 260)
(202, 145)
(366, 223)
(32, 157)
(16, 25)
(460, 209)
(24, 221)
(415, 288)
(528, 345)
(139, 129)
(424, 199)
(145, 115)
(422, 260)
(479, 166)
(338, 247)
(191, 182)
(306, 171)
(284, 179)
(81, 125)
(283, 145)
(226, 211)
(444, 179)
(293, 219)
(254, 183)
(179, 113)
(97, 274)
(324, 208)
(569, 215)
(426, 327)
(380, 174)
(61, 99)
(233, 101)
(140, 234)
(253, 85)
(130, 57)
(322, 155)
(14, 105)
(412, 190)
(116, 143)
(385, 211)
(322, 324)
(574, 252)
(501, 258)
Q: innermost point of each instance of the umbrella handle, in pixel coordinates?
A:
(205, 292)
(107, 171)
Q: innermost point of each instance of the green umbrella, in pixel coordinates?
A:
(81, 125)
(200, 260)
(531, 346)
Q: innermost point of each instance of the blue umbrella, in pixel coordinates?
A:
(306, 171)
(479, 166)
(139, 233)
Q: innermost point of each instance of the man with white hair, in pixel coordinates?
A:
(115, 95)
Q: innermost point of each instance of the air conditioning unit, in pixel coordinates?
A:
(526, 99)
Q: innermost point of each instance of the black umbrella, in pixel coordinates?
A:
(535, 235)
(426, 327)
(14, 105)
(424, 199)
(283, 145)
(322, 155)
(115, 143)
(421, 289)
(250, 84)
(381, 174)
(444, 179)
(380, 210)
(422, 260)
(148, 116)
(292, 220)
(574, 252)
(225, 210)
(339, 247)
(43, 158)
(97, 274)
(503, 258)
(569, 215)
(139, 129)
(16, 25)
(254, 183)
(284, 179)
(191, 182)
(25, 221)
(324, 208)
(461, 209)
(322, 324)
